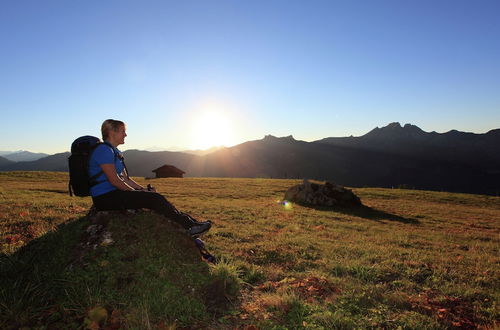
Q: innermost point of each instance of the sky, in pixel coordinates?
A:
(192, 74)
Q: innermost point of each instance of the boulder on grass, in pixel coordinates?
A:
(328, 194)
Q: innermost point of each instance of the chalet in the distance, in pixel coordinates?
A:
(168, 171)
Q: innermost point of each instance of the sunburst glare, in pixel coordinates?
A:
(212, 128)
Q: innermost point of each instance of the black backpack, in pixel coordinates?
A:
(78, 161)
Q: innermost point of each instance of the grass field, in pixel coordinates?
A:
(409, 259)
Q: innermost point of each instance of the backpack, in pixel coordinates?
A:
(81, 151)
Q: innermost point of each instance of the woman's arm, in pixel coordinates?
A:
(132, 183)
(113, 178)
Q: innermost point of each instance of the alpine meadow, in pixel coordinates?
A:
(250, 165)
(406, 259)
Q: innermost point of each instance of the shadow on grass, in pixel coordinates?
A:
(365, 212)
(57, 191)
(31, 276)
(139, 268)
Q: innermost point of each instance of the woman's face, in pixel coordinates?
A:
(119, 135)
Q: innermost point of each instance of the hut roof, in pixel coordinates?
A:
(170, 168)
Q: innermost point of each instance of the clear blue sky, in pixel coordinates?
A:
(193, 73)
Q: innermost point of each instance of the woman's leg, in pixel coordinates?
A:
(122, 200)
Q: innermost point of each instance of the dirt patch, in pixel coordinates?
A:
(453, 311)
(310, 288)
(314, 288)
(216, 297)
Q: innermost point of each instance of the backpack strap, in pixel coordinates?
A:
(93, 179)
(119, 156)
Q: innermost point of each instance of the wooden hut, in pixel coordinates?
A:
(168, 171)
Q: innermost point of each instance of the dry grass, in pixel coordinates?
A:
(415, 259)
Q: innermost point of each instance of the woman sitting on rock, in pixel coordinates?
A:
(116, 191)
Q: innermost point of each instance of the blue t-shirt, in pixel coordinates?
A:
(104, 154)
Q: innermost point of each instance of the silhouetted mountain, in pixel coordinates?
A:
(391, 156)
(57, 162)
(24, 156)
(288, 158)
(413, 142)
(141, 163)
(4, 162)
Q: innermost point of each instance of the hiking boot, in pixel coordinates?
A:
(202, 222)
(190, 218)
(199, 228)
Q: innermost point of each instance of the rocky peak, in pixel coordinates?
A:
(412, 129)
(270, 137)
(394, 130)
(394, 125)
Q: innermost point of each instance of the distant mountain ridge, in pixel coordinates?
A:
(4, 162)
(411, 141)
(391, 156)
(57, 162)
(22, 155)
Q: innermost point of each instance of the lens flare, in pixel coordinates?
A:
(286, 205)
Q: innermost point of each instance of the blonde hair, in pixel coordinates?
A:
(108, 125)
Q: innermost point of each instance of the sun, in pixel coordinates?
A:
(211, 129)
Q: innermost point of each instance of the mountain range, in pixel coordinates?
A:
(21, 155)
(391, 156)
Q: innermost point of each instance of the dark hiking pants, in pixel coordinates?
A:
(123, 200)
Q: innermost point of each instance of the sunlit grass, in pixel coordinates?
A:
(414, 259)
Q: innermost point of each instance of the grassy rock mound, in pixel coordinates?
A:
(328, 194)
(112, 270)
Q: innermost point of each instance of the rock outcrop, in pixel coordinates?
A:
(328, 194)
